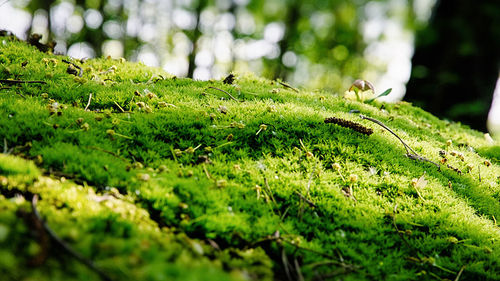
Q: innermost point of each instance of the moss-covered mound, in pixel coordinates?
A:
(128, 173)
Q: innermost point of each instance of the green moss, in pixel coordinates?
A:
(164, 178)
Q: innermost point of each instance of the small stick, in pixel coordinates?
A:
(413, 155)
(288, 86)
(12, 82)
(460, 273)
(88, 103)
(21, 95)
(5, 148)
(306, 200)
(80, 72)
(90, 264)
(225, 93)
(119, 106)
(300, 277)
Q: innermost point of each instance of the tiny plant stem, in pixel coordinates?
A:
(88, 103)
(121, 109)
(288, 86)
(413, 155)
(225, 93)
(460, 273)
(90, 264)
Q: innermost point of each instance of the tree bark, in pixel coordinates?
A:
(457, 60)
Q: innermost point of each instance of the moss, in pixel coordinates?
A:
(164, 178)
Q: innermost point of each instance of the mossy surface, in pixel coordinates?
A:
(163, 178)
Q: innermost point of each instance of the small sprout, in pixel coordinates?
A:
(190, 150)
(45, 95)
(162, 168)
(321, 98)
(236, 167)
(222, 109)
(470, 167)
(221, 183)
(113, 68)
(461, 156)
(372, 170)
(487, 163)
(38, 159)
(85, 126)
(275, 91)
(189, 173)
(443, 153)
(262, 127)
(336, 166)
(144, 177)
(449, 143)
(309, 154)
(98, 118)
(271, 108)
(453, 153)
(137, 165)
(208, 149)
(122, 60)
(140, 104)
(258, 189)
(112, 133)
(79, 121)
(55, 126)
(151, 95)
(137, 93)
(178, 152)
(212, 116)
(443, 160)
(230, 137)
(183, 205)
(353, 178)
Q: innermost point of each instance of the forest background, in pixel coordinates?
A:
(441, 55)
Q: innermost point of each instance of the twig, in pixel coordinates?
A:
(12, 82)
(5, 148)
(300, 277)
(286, 264)
(460, 273)
(409, 151)
(309, 202)
(88, 103)
(349, 124)
(80, 72)
(225, 93)
(308, 188)
(90, 264)
(119, 106)
(20, 95)
(288, 86)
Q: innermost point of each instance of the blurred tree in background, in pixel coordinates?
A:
(457, 61)
(314, 43)
(321, 44)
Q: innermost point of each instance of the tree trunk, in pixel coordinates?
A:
(457, 61)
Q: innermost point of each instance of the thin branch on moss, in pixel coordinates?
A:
(20, 95)
(90, 264)
(80, 70)
(288, 86)
(121, 109)
(225, 93)
(300, 277)
(12, 82)
(309, 202)
(286, 264)
(410, 153)
(88, 103)
(460, 273)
